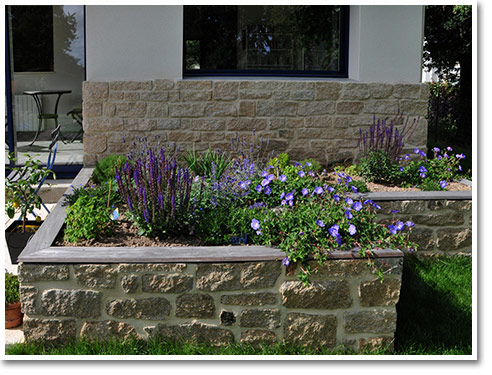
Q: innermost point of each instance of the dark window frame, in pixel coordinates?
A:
(341, 73)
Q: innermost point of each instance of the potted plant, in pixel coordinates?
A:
(21, 188)
(13, 314)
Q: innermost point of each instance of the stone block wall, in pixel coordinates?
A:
(216, 303)
(318, 119)
(442, 227)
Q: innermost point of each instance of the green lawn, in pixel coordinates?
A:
(434, 317)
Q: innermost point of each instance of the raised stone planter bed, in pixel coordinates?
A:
(217, 295)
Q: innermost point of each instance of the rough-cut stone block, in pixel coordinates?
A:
(414, 107)
(75, 303)
(409, 207)
(163, 84)
(376, 343)
(298, 85)
(439, 219)
(338, 268)
(203, 124)
(377, 293)
(154, 308)
(108, 330)
(171, 267)
(262, 85)
(49, 331)
(406, 91)
(95, 144)
(91, 109)
(316, 108)
(194, 332)
(168, 124)
(135, 109)
(380, 90)
(247, 108)
(419, 135)
(276, 108)
(281, 95)
(195, 96)
(227, 318)
(423, 237)
(318, 295)
(194, 85)
(465, 205)
(327, 90)
(355, 90)
(255, 94)
(262, 318)
(96, 91)
(302, 95)
(349, 107)
(220, 109)
(195, 306)
(34, 272)
(226, 90)
(186, 110)
(249, 299)
(258, 337)
(319, 122)
(93, 125)
(311, 330)
(154, 96)
(451, 239)
(246, 124)
(211, 136)
(155, 110)
(167, 283)
(184, 136)
(28, 299)
(130, 283)
(235, 276)
(130, 85)
(109, 110)
(389, 107)
(424, 91)
(99, 276)
(374, 321)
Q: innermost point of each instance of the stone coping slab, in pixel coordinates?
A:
(39, 249)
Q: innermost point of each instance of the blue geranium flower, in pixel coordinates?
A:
(334, 230)
(267, 190)
(305, 192)
(309, 164)
(436, 149)
(443, 184)
(318, 190)
(354, 189)
(392, 229)
(352, 229)
(409, 224)
(259, 188)
(336, 198)
(264, 173)
(422, 169)
(289, 196)
(331, 189)
(283, 178)
(416, 151)
(349, 201)
(270, 177)
(348, 214)
(265, 182)
(285, 262)
(255, 224)
(357, 206)
(399, 225)
(320, 223)
(301, 174)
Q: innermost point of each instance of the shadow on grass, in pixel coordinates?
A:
(434, 311)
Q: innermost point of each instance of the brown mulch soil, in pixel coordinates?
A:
(125, 234)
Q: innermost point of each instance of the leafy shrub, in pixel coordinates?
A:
(157, 192)
(106, 168)
(378, 166)
(87, 218)
(106, 192)
(211, 164)
(11, 289)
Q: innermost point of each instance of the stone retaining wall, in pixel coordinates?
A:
(442, 227)
(318, 119)
(218, 303)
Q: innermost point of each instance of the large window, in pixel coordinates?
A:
(268, 40)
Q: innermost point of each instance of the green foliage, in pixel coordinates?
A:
(88, 217)
(211, 164)
(105, 169)
(107, 190)
(378, 167)
(20, 194)
(280, 162)
(11, 289)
